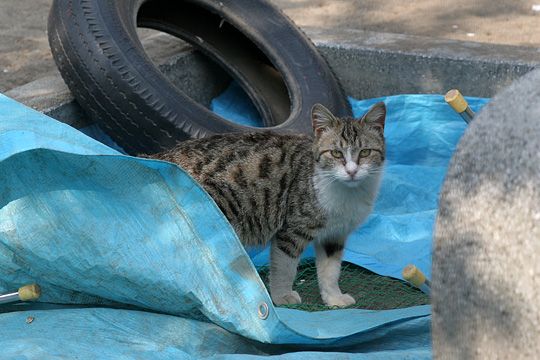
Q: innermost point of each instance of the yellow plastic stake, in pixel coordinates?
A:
(417, 278)
(459, 104)
(29, 292)
(25, 293)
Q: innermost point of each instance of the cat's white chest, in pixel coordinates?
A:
(346, 208)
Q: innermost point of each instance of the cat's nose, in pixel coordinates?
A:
(351, 172)
(351, 168)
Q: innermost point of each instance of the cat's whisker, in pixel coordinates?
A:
(326, 186)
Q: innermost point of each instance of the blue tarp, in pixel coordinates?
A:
(150, 268)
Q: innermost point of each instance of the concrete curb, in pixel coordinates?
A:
(369, 64)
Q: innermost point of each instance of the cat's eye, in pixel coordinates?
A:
(365, 152)
(336, 153)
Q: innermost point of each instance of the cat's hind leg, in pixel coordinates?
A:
(328, 262)
(286, 248)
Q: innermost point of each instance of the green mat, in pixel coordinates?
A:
(370, 290)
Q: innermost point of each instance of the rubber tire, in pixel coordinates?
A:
(97, 50)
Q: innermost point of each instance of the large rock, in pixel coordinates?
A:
(486, 261)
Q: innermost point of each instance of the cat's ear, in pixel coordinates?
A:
(321, 119)
(376, 115)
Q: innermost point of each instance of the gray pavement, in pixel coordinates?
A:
(25, 55)
(24, 50)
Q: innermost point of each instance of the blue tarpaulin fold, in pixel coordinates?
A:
(160, 271)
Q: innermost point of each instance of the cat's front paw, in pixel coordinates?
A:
(340, 300)
(288, 298)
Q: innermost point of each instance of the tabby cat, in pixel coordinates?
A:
(291, 190)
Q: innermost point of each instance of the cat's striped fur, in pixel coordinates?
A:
(291, 190)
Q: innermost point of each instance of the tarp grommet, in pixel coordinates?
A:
(263, 310)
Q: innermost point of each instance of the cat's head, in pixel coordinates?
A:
(349, 150)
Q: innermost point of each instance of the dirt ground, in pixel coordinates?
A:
(25, 55)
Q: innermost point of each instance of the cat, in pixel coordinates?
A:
(293, 189)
